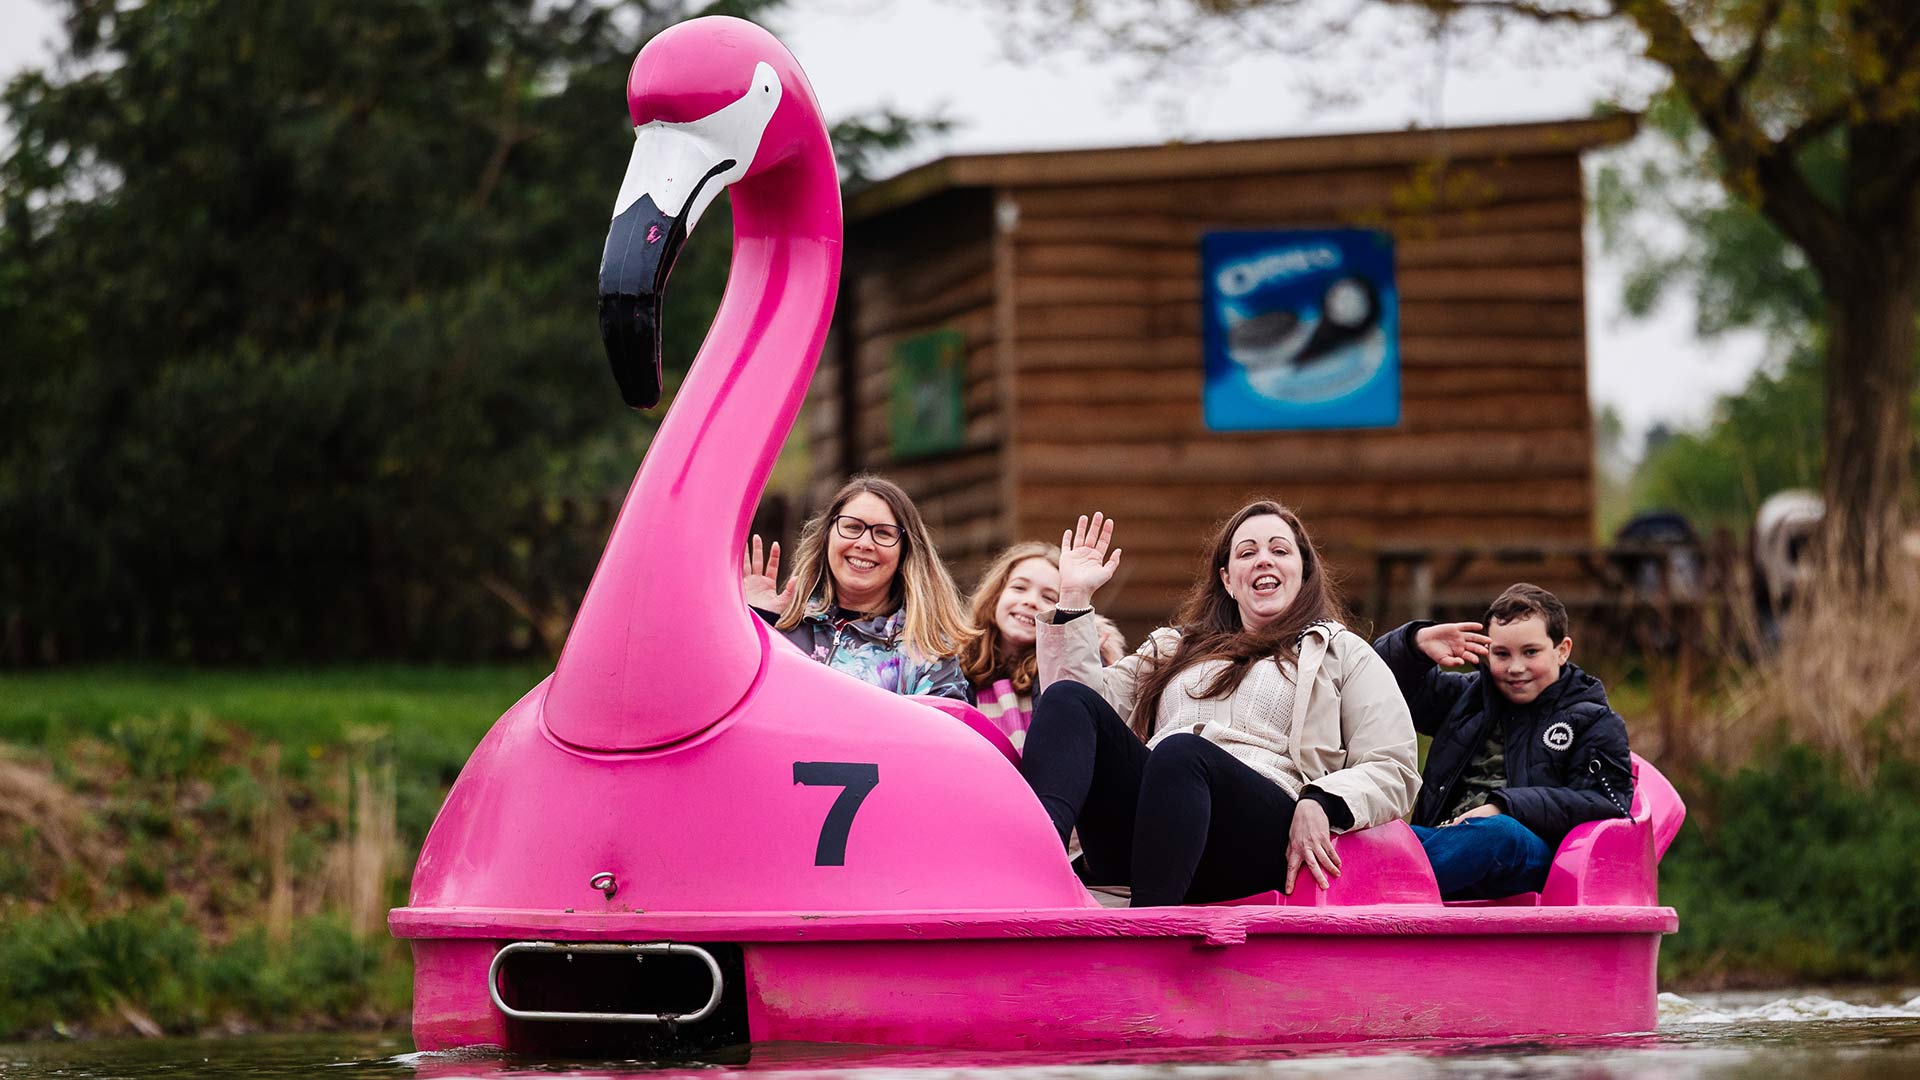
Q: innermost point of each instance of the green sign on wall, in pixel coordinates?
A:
(927, 413)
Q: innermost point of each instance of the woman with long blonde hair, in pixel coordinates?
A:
(868, 594)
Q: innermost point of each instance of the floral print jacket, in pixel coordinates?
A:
(870, 650)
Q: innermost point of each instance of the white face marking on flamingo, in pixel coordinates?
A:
(677, 162)
(676, 171)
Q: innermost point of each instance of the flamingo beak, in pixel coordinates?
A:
(675, 173)
(641, 248)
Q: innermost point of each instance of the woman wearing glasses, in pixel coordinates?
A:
(868, 594)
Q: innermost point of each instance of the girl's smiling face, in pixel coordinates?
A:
(863, 569)
(1033, 584)
(1263, 570)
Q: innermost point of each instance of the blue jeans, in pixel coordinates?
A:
(1486, 857)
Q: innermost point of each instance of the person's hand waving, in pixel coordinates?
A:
(1085, 564)
(760, 576)
(1459, 644)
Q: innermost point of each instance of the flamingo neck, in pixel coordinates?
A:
(664, 645)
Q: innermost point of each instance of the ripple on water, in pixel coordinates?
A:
(1677, 1010)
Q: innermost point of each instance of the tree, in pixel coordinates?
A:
(1762, 440)
(296, 304)
(1768, 82)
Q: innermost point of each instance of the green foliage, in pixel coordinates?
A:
(1741, 271)
(1762, 440)
(65, 969)
(161, 912)
(1785, 868)
(301, 356)
(299, 346)
(61, 966)
(431, 718)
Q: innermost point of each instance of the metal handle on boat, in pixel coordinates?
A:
(652, 948)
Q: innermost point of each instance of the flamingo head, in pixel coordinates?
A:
(714, 101)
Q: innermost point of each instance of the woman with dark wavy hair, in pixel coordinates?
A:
(1218, 760)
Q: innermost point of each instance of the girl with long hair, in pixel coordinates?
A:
(1019, 587)
(868, 594)
(1219, 759)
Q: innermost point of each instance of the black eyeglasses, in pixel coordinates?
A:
(852, 527)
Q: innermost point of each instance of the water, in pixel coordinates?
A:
(1828, 1034)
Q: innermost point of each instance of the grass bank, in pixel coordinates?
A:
(186, 850)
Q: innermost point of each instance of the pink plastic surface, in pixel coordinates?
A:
(1192, 976)
(674, 747)
(976, 720)
(885, 870)
(664, 645)
(1615, 861)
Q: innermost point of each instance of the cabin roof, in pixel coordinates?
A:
(1239, 157)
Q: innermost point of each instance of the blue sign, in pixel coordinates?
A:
(1302, 330)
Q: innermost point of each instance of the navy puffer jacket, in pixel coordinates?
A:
(1566, 751)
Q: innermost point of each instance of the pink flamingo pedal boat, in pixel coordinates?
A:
(692, 836)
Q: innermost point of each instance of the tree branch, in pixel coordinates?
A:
(1756, 50)
(1523, 8)
(1764, 171)
(1903, 58)
(1816, 125)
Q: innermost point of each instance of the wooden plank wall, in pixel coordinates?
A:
(930, 266)
(1493, 444)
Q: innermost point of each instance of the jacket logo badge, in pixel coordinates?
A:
(1559, 736)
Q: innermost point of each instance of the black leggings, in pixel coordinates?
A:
(1186, 822)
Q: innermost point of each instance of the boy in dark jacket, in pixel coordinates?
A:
(1523, 749)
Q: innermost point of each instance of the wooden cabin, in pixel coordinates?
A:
(1062, 290)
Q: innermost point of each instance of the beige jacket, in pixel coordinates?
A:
(1349, 735)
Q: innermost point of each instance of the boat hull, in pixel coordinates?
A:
(1073, 979)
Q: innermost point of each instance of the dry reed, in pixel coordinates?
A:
(43, 829)
(1839, 675)
(361, 865)
(276, 823)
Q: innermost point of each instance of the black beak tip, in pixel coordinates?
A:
(630, 329)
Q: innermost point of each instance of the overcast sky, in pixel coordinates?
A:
(919, 56)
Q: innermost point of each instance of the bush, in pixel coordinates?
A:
(93, 973)
(60, 967)
(1789, 870)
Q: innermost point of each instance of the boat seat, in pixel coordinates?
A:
(974, 719)
(1381, 865)
(1613, 860)
(1617, 860)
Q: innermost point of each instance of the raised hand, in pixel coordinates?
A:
(1458, 644)
(1085, 564)
(760, 576)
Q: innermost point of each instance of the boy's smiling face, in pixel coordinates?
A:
(1522, 660)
